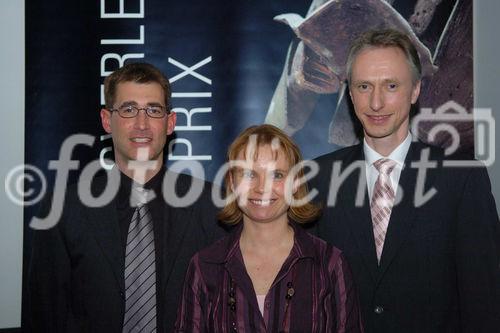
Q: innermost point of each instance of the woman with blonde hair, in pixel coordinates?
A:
(268, 275)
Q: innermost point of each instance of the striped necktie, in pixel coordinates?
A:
(140, 272)
(382, 201)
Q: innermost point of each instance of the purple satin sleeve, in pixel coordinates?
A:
(347, 313)
(190, 313)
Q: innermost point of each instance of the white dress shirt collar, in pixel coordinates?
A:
(398, 155)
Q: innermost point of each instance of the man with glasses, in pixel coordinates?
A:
(120, 267)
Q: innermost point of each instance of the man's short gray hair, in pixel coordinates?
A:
(381, 39)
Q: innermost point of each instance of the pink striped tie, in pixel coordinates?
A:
(382, 201)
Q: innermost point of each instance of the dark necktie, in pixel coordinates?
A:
(140, 272)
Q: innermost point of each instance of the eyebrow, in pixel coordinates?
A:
(388, 80)
(241, 169)
(134, 103)
(356, 83)
(126, 103)
(392, 80)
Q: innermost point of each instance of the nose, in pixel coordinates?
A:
(142, 120)
(263, 185)
(260, 184)
(376, 99)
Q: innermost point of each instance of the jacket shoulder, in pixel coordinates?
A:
(339, 154)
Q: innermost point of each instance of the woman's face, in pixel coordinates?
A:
(260, 185)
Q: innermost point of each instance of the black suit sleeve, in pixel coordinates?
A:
(49, 281)
(478, 255)
(213, 228)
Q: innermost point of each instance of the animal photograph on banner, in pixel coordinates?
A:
(231, 66)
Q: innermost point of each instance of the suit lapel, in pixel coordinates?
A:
(402, 215)
(177, 221)
(103, 222)
(358, 216)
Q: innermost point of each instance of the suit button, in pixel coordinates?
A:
(378, 310)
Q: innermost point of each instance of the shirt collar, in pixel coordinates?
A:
(398, 155)
(126, 184)
(228, 249)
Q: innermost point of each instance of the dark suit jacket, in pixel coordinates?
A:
(439, 270)
(76, 281)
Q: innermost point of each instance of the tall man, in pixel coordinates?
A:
(423, 240)
(120, 267)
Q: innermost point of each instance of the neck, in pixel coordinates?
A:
(140, 172)
(385, 146)
(263, 236)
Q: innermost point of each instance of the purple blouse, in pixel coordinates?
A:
(313, 291)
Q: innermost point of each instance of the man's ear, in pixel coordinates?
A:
(106, 120)
(415, 91)
(171, 120)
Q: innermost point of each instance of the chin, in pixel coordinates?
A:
(261, 218)
(266, 218)
(378, 134)
(150, 157)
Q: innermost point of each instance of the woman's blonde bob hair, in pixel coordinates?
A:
(259, 136)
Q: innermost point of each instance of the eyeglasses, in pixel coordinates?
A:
(130, 111)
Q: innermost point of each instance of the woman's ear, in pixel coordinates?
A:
(231, 181)
(295, 186)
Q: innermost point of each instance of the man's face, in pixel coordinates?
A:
(382, 92)
(142, 131)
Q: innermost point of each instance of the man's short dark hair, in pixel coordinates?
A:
(138, 73)
(385, 38)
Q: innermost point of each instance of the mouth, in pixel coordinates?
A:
(378, 119)
(140, 140)
(259, 202)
